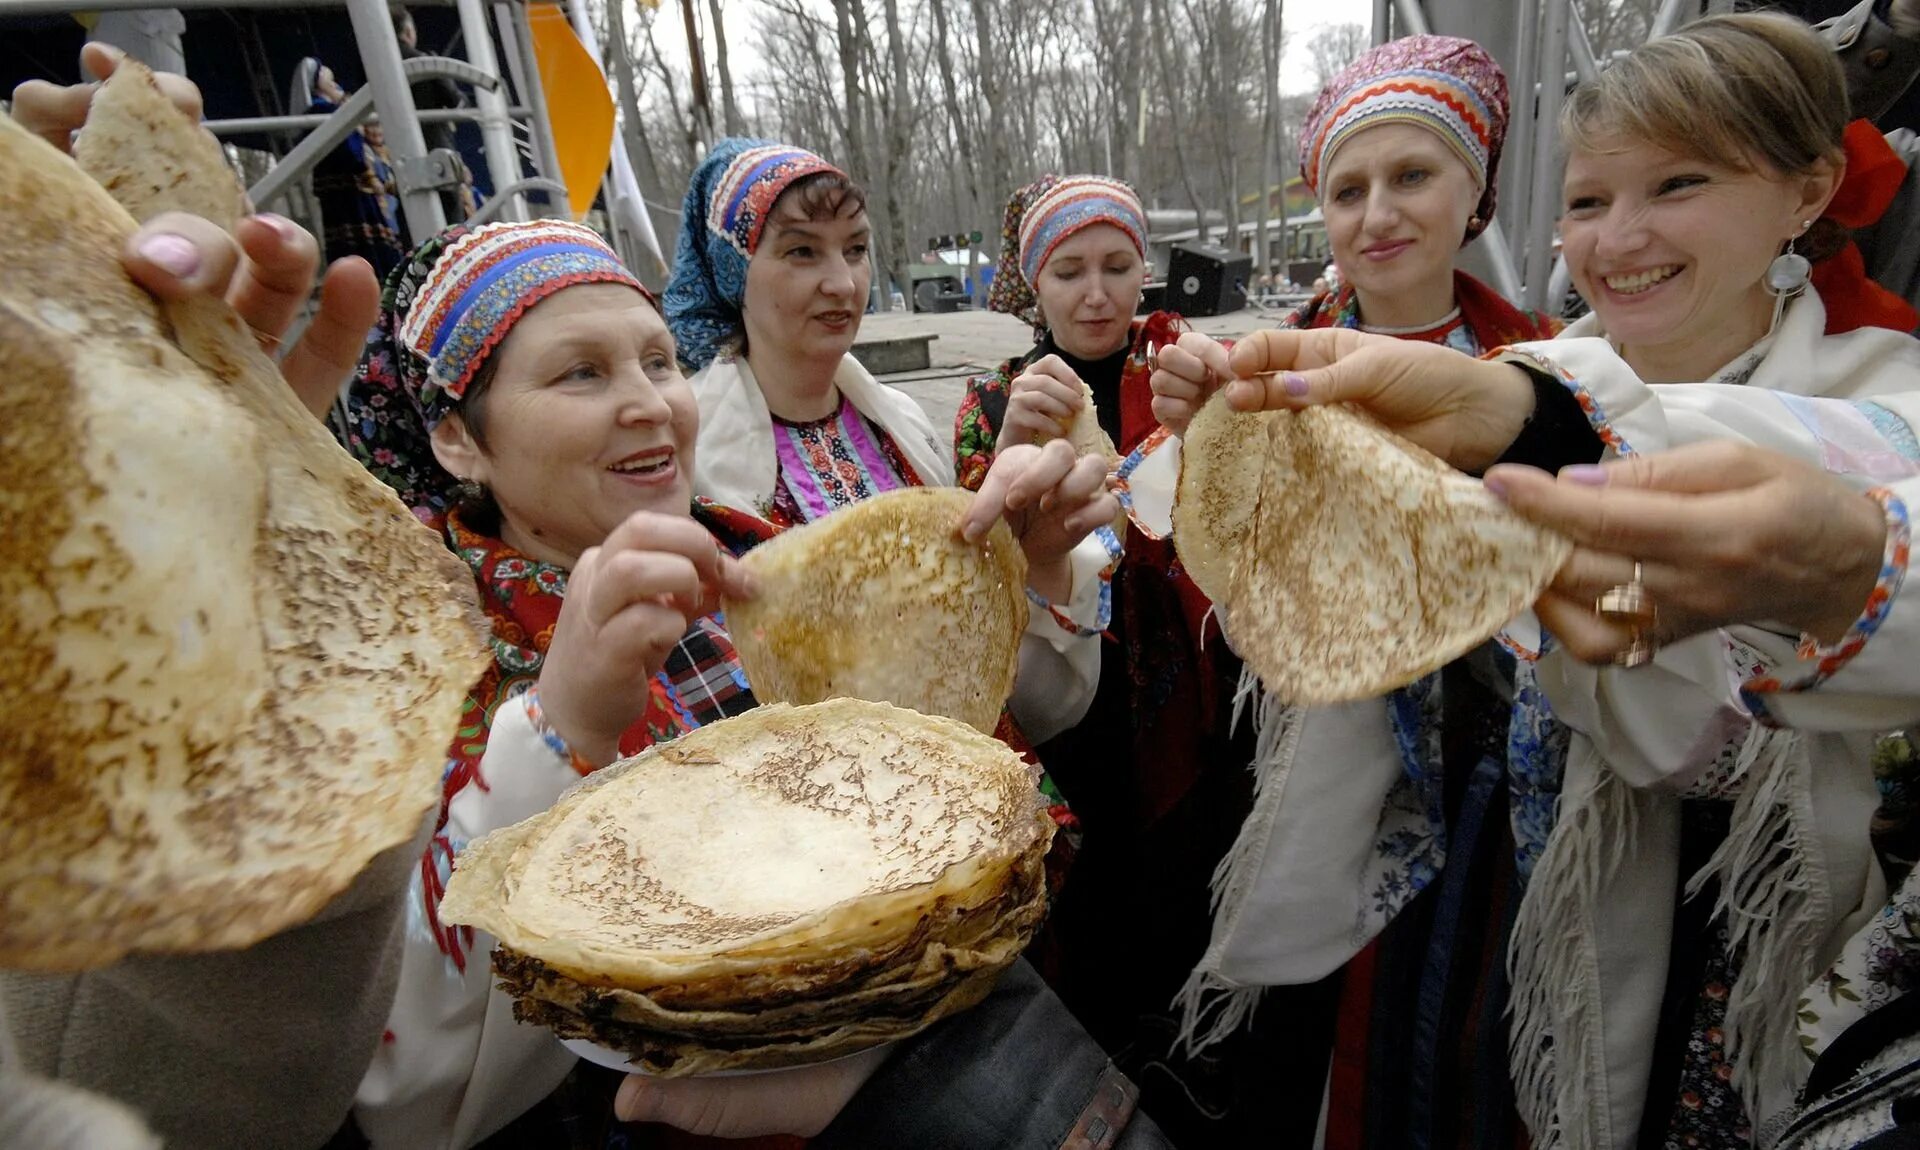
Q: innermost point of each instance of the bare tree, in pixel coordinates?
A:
(729, 105)
(1616, 25)
(1334, 47)
(1270, 31)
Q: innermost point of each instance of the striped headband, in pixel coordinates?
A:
(1449, 86)
(487, 279)
(1071, 204)
(746, 189)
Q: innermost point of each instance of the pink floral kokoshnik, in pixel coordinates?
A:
(488, 279)
(1447, 85)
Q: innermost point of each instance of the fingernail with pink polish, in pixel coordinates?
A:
(1496, 484)
(173, 254)
(1295, 383)
(1585, 474)
(278, 223)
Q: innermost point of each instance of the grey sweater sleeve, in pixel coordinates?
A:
(260, 1048)
(1880, 64)
(1014, 1073)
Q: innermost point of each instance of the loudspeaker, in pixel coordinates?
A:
(1207, 279)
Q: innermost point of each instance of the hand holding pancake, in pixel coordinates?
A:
(264, 270)
(1051, 500)
(1186, 374)
(628, 603)
(800, 1101)
(1464, 410)
(1041, 402)
(1724, 533)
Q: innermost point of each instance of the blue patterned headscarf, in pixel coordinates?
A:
(728, 201)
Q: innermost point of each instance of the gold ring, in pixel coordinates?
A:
(1629, 603)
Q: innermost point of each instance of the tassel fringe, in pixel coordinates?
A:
(1212, 1006)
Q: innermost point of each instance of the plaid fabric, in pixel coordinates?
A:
(704, 674)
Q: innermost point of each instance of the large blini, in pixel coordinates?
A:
(236, 658)
(884, 601)
(1370, 562)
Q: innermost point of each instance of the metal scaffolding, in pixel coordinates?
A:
(1545, 49)
(420, 174)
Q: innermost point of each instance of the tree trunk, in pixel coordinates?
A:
(1269, 101)
(899, 142)
(1137, 107)
(702, 103)
(1172, 85)
(847, 40)
(647, 170)
(988, 68)
(963, 139)
(729, 106)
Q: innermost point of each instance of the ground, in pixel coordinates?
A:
(968, 343)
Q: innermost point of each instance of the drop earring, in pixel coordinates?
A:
(1787, 276)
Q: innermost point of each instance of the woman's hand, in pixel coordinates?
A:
(1041, 402)
(800, 1101)
(1051, 501)
(1466, 411)
(1186, 373)
(266, 272)
(1725, 533)
(629, 601)
(55, 112)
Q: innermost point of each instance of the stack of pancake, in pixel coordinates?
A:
(783, 887)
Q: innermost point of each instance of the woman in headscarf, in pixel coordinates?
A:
(1674, 873)
(768, 286)
(1402, 148)
(522, 394)
(1154, 772)
(353, 183)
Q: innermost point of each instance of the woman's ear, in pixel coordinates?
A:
(454, 447)
(1818, 187)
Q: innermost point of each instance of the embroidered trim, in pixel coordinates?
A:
(1103, 611)
(1122, 486)
(1828, 660)
(1589, 406)
(537, 716)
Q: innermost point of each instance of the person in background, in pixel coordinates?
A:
(356, 202)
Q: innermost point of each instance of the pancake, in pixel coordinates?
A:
(237, 659)
(761, 843)
(1222, 467)
(1371, 562)
(883, 601)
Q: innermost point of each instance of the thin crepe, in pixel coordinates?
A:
(1223, 461)
(774, 839)
(883, 601)
(1362, 561)
(236, 660)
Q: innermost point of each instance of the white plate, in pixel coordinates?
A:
(615, 1060)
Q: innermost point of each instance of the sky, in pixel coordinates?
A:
(1300, 17)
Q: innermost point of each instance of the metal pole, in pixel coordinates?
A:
(380, 55)
(1412, 17)
(1382, 21)
(1672, 14)
(539, 125)
(1520, 136)
(1546, 158)
(1506, 269)
(496, 132)
(264, 125)
(1581, 50)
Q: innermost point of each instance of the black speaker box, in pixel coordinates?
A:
(1206, 279)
